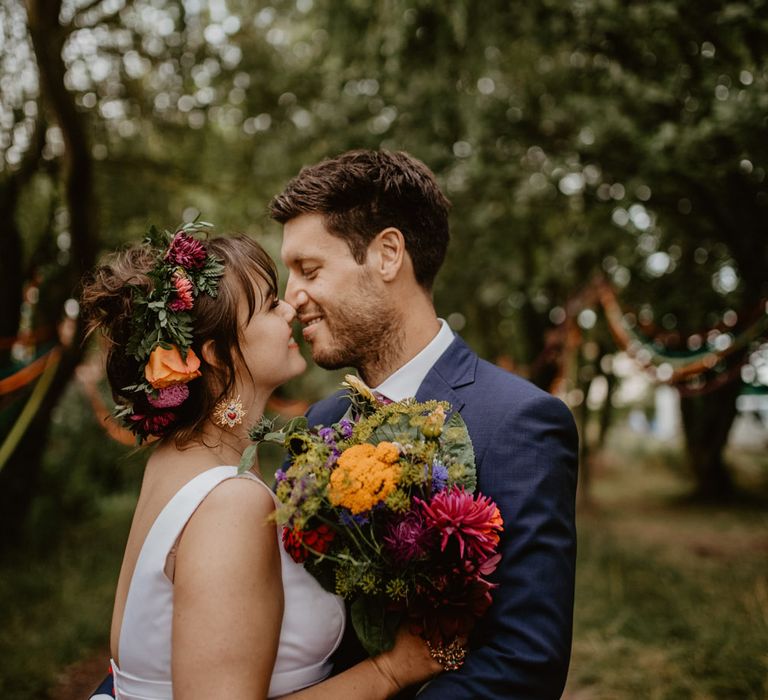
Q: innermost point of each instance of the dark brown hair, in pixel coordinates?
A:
(360, 193)
(108, 304)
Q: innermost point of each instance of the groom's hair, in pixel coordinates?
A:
(360, 193)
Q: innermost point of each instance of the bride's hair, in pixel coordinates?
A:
(107, 302)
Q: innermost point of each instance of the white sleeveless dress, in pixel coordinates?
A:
(312, 626)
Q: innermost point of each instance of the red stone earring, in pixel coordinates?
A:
(229, 412)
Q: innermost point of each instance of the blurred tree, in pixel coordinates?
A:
(582, 137)
(669, 105)
(19, 476)
(574, 139)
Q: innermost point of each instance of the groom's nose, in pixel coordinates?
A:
(294, 294)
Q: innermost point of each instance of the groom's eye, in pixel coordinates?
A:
(309, 273)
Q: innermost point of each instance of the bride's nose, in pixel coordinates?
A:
(289, 313)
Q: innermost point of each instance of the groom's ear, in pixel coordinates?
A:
(389, 252)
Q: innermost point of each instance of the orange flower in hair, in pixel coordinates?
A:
(166, 368)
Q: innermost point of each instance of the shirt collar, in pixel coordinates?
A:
(405, 382)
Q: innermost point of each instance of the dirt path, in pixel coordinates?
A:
(78, 680)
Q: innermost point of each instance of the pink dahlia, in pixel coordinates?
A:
(170, 396)
(473, 522)
(186, 251)
(185, 292)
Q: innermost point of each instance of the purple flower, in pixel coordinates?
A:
(348, 519)
(345, 428)
(332, 457)
(280, 476)
(186, 252)
(328, 435)
(439, 476)
(408, 538)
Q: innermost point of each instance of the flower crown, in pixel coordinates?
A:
(162, 328)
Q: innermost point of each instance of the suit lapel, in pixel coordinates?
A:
(455, 368)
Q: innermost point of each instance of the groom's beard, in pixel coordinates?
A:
(364, 334)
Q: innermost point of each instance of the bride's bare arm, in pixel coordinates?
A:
(228, 607)
(228, 597)
(379, 677)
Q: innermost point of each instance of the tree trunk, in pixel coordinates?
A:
(11, 259)
(707, 420)
(585, 451)
(607, 412)
(19, 478)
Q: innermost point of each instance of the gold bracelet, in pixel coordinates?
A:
(450, 657)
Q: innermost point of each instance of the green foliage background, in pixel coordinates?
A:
(575, 138)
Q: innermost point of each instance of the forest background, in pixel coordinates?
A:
(607, 167)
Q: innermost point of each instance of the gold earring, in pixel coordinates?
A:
(229, 412)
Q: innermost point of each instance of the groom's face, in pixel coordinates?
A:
(342, 305)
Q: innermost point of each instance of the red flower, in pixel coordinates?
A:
(186, 251)
(184, 293)
(473, 522)
(449, 606)
(151, 424)
(301, 543)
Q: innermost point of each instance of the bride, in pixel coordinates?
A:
(208, 603)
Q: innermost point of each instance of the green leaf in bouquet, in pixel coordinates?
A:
(247, 459)
(374, 625)
(456, 448)
(401, 431)
(264, 430)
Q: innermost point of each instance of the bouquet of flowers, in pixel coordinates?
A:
(380, 507)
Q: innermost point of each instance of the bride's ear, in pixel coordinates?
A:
(209, 354)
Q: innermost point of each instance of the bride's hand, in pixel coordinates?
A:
(408, 661)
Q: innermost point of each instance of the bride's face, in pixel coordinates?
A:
(271, 354)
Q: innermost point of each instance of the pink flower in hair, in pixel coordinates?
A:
(186, 251)
(170, 397)
(184, 293)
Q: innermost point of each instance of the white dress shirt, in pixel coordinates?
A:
(405, 382)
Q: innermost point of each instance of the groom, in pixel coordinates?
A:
(363, 239)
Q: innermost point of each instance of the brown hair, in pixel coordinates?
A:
(360, 193)
(108, 304)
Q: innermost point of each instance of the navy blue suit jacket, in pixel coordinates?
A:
(526, 449)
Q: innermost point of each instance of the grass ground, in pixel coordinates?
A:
(672, 598)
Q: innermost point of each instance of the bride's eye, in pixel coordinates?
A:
(275, 303)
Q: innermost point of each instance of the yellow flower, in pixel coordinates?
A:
(359, 386)
(165, 367)
(364, 476)
(433, 423)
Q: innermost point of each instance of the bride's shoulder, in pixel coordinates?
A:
(239, 497)
(232, 529)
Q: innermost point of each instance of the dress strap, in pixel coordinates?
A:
(174, 517)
